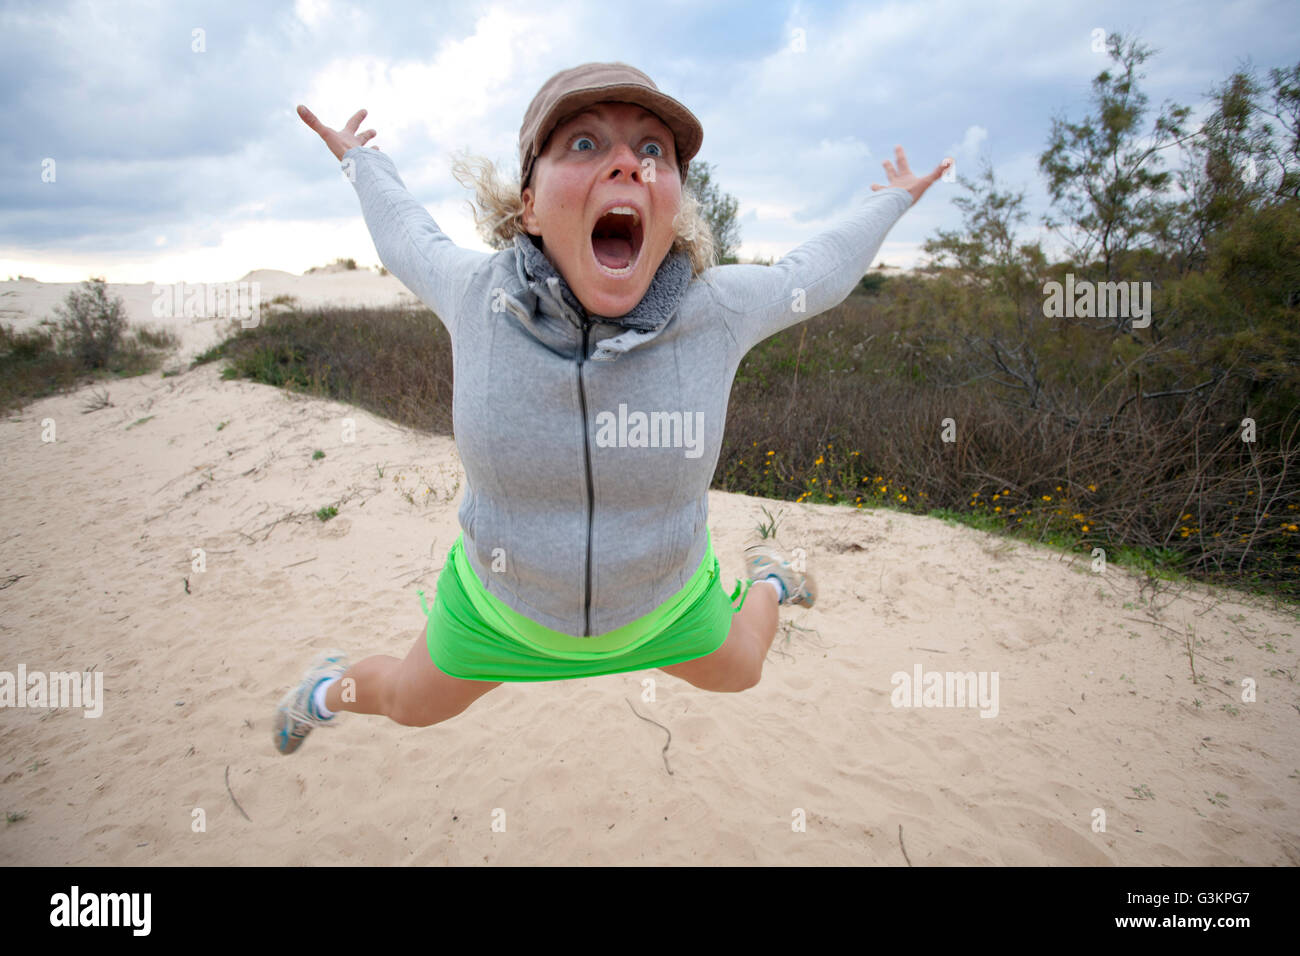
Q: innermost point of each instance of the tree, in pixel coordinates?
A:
(1005, 329)
(1286, 110)
(985, 247)
(718, 208)
(1103, 173)
(1225, 174)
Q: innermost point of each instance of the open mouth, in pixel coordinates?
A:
(616, 240)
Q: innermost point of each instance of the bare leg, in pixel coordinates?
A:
(412, 692)
(738, 664)
(760, 617)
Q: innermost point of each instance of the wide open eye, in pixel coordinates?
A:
(580, 138)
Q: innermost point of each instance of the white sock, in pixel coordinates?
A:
(318, 698)
(773, 580)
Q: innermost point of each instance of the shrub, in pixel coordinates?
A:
(91, 325)
(872, 282)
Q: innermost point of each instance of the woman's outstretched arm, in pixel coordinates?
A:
(409, 243)
(755, 302)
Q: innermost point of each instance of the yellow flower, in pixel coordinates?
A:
(1092, 487)
(1047, 497)
(771, 453)
(1085, 527)
(1058, 487)
(818, 461)
(998, 509)
(902, 497)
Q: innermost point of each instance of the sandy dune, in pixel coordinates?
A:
(1096, 705)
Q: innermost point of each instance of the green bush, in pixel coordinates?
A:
(872, 283)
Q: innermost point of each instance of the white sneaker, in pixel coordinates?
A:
(763, 560)
(294, 718)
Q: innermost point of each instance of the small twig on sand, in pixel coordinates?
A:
(1191, 660)
(232, 796)
(901, 847)
(1141, 620)
(661, 727)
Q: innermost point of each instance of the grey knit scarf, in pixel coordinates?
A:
(653, 311)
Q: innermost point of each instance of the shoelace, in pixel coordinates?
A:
(302, 720)
(305, 717)
(767, 567)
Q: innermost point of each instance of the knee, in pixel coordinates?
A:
(415, 713)
(418, 718)
(406, 716)
(743, 679)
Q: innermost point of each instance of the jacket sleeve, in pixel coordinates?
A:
(757, 301)
(409, 242)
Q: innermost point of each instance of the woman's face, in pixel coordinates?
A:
(600, 157)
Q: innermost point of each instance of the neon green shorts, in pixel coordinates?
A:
(473, 635)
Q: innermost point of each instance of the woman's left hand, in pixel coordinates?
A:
(904, 178)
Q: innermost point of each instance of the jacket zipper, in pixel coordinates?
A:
(586, 630)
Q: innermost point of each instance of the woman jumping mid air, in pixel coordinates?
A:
(593, 361)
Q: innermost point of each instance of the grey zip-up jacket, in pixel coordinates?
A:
(589, 443)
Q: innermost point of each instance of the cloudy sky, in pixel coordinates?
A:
(177, 154)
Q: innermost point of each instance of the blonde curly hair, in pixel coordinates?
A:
(498, 210)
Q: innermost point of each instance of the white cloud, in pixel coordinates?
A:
(311, 12)
(969, 147)
(467, 94)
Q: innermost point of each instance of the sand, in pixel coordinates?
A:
(1097, 713)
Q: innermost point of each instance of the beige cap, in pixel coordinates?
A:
(570, 91)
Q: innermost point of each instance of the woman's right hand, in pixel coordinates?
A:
(339, 140)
